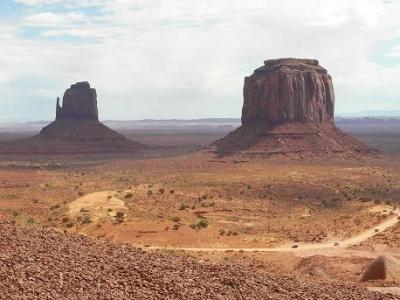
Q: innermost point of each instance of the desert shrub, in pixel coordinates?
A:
(176, 226)
(70, 224)
(57, 206)
(30, 221)
(175, 219)
(81, 193)
(221, 232)
(128, 195)
(86, 220)
(110, 210)
(65, 220)
(364, 199)
(171, 191)
(203, 223)
(119, 215)
(182, 206)
(149, 192)
(161, 191)
(208, 204)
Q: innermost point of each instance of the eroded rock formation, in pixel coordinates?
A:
(79, 102)
(288, 110)
(288, 90)
(76, 129)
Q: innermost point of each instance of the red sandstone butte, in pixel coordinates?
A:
(288, 110)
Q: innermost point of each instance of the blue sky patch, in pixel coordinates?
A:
(380, 53)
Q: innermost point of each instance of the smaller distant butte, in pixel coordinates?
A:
(76, 129)
(288, 111)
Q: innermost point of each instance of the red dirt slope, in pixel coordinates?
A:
(45, 264)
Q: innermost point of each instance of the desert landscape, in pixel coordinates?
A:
(269, 216)
(147, 151)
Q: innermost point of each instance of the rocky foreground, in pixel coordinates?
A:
(46, 264)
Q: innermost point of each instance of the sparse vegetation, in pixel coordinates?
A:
(57, 206)
(176, 226)
(30, 221)
(120, 216)
(182, 206)
(86, 220)
(202, 223)
(175, 219)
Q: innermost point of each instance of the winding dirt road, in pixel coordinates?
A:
(332, 244)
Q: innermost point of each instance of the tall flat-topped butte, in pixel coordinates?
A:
(288, 110)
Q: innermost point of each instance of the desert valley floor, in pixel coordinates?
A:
(315, 221)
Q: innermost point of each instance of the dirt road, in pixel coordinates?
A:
(332, 244)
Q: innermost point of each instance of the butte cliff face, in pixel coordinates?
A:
(288, 90)
(288, 110)
(79, 102)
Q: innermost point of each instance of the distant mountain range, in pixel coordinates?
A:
(371, 113)
(355, 119)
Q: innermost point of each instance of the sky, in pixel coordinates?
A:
(164, 59)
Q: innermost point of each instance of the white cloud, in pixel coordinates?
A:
(394, 52)
(177, 58)
(50, 19)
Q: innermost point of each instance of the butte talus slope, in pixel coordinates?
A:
(76, 129)
(288, 110)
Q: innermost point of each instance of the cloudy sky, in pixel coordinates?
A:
(187, 58)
